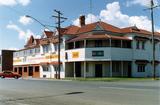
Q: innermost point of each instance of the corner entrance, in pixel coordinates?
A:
(98, 70)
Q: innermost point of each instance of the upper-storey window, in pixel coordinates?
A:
(140, 44)
(37, 50)
(46, 48)
(56, 47)
(143, 45)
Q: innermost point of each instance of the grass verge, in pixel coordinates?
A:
(109, 79)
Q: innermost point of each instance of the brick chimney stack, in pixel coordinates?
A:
(82, 20)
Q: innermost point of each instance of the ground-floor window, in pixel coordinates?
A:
(141, 68)
(55, 68)
(45, 68)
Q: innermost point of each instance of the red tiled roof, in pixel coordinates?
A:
(134, 29)
(70, 30)
(82, 37)
(105, 26)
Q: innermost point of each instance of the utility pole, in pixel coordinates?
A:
(59, 14)
(153, 39)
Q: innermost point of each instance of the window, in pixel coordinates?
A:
(46, 48)
(45, 68)
(138, 44)
(97, 53)
(37, 50)
(56, 47)
(141, 68)
(143, 45)
(98, 43)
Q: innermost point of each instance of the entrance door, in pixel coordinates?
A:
(30, 73)
(129, 69)
(98, 70)
(20, 70)
(78, 69)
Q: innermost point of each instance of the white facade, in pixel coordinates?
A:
(132, 61)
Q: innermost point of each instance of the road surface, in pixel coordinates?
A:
(53, 92)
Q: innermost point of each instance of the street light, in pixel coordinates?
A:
(45, 26)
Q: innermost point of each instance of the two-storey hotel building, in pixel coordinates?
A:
(90, 50)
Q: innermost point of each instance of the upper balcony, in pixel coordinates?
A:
(99, 49)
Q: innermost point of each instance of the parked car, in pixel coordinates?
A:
(9, 74)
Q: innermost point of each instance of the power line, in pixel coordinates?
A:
(59, 17)
(151, 8)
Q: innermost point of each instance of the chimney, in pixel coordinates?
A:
(82, 20)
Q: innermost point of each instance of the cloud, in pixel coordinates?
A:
(145, 3)
(112, 14)
(24, 20)
(23, 35)
(8, 2)
(14, 2)
(24, 2)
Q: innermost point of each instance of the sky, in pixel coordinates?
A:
(15, 28)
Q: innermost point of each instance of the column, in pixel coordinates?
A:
(110, 42)
(110, 68)
(52, 47)
(34, 75)
(122, 68)
(41, 49)
(84, 69)
(121, 44)
(74, 45)
(84, 43)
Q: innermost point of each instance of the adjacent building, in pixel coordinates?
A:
(90, 50)
(6, 60)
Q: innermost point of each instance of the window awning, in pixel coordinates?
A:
(156, 62)
(141, 61)
(141, 38)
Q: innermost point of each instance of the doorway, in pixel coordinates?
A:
(98, 70)
(129, 69)
(30, 73)
(78, 69)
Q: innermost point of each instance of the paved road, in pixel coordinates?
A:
(47, 92)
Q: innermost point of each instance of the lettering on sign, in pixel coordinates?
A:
(17, 60)
(75, 54)
(54, 56)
